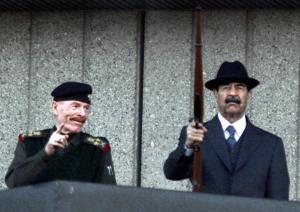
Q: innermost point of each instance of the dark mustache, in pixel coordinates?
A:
(232, 99)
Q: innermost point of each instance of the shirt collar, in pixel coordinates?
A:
(239, 125)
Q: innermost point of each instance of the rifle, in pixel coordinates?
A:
(198, 102)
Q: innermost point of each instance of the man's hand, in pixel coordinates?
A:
(56, 140)
(194, 135)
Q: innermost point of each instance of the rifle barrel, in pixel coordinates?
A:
(198, 102)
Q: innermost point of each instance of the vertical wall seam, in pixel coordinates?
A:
(246, 37)
(83, 49)
(298, 131)
(247, 40)
(29, 72)
(140, 94)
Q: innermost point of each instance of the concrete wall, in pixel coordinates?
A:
(42, 49)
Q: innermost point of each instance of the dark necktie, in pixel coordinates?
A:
(231, 140)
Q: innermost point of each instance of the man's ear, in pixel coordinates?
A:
(215, 93)
(54, 107)
(249, 95)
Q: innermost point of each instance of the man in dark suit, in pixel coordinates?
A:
(238, 158)
(63, 152)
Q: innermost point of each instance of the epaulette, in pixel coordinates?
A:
(21, 137)
(104, 146)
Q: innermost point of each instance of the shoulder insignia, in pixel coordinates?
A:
(21, 137)
(104, 146)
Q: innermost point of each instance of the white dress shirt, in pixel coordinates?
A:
(239, 126)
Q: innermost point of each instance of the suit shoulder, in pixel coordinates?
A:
(267, 137)
(99, 142)
(213, 123)
(266, 133)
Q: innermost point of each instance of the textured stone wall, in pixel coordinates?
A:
(39, 50)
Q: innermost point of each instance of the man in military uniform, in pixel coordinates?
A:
(63, 152)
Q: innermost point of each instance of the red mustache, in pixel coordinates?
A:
(78, 119)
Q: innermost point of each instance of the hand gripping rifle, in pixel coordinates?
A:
(198, 102)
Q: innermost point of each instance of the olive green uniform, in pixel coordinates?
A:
(85, 159)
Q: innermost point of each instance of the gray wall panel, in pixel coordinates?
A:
(274, 58)
(14, 49)
(224, 39)
(40, 50)
(111, 55)
(56, 57)
(166, 91)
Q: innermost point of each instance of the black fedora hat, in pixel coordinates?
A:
(232, 72)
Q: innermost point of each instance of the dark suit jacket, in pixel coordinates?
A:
(261, 169)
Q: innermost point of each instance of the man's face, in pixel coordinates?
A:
(232, 100)
(72, 114)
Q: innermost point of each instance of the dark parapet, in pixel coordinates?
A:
(75, 196)
(146, 4)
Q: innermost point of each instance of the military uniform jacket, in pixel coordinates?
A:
(86, 159)
(260, 170)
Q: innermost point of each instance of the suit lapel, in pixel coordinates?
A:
(250, 143)
(215, 137)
